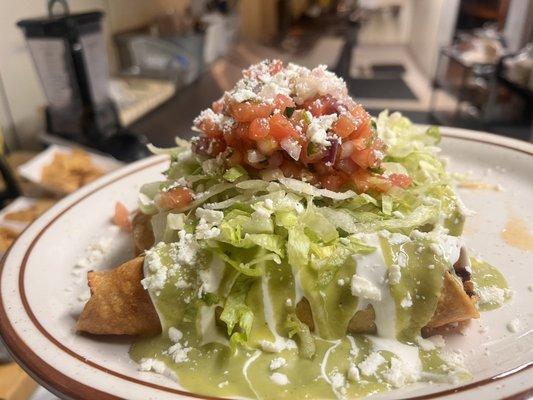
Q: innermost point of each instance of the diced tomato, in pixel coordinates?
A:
(259, 129)
(281, 102)
(281, 127)
(210, 128)
(365, 181)
(238, 137)
(364, 130)
(317, 107)
(365, 158)
(267, 146)
(360, 180)
(208, 146)
(122, 217)
(235, 159)
(175, 199)
(343, 127)
(360, 143)
(218, 105)
(275, 66)
(362, 137)
(346, 165)
(247, 112)
(359, 113)
(321, 106)
(400, 180)
(333, 182)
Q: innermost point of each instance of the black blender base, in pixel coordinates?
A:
(125, 146)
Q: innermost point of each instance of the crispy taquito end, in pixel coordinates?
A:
(143, 235)
(453, 306)
(119, 305)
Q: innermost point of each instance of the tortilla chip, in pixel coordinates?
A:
(363, 321)
(119, 305)
(453, 306)
(143, 234)
(29, 214)
(69, 171)
(7, 237)
(304, 313)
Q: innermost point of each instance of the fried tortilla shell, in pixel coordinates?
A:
(119, 305)
(143, 234)
(454, 305)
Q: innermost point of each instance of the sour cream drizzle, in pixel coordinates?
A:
(280, 343)
(406, 353)
(245, 367)
(373, 268)
(324, 362)
(208, 328)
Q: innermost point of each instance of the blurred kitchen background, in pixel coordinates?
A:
(110, 76)
(157, 63)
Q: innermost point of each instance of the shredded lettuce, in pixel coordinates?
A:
(295, 226)
(234, 173)
(237, 316)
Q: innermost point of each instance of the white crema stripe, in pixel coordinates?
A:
(280, 343)
(372, 268)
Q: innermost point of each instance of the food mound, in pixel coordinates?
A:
(298, 123)
(297, 248)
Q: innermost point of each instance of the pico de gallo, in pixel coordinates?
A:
(300, 123)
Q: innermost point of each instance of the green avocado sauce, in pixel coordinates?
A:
(488, 279)
(216, 367)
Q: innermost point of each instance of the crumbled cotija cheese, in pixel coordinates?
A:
(338, 380)
(151, 364)
(398, 238)
(277, 363)
(278, 346)
(513, 326)
(279, 379)
(177, 351)
(407, 301)
(371, 364)
(174, 334)
(353, 373)
(395, 274)
(491, 295)
(399, 374)
(317, 130)
(362, 287)
(207, 227)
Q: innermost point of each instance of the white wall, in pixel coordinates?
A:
(433, 23)
(519, 24)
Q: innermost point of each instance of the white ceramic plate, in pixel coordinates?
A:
(42, 292)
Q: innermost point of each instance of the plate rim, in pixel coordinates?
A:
(63, 385)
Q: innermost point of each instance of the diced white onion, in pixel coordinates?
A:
(292, 147)
(254, 157)
(347, 149)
